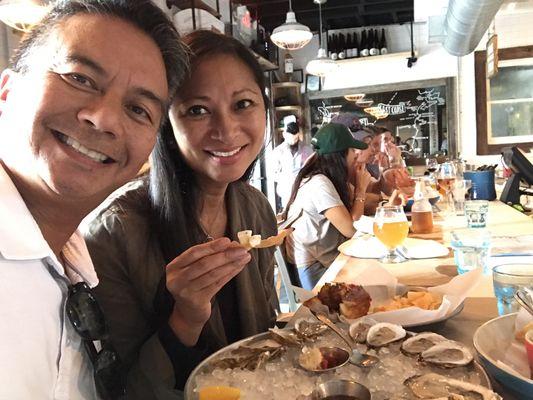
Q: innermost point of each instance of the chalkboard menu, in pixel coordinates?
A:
(418, 117)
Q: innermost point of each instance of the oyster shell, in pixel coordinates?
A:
(421, 342)
(308, 328)
(448, 354)
(285, 337)
(434, 386)
(384, 333)
(359, 329)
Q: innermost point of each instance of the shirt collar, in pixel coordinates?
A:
(21, 237)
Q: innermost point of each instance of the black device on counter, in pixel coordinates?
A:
(522, 168)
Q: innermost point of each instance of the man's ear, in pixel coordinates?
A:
(6, 82)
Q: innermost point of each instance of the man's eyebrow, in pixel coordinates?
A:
(148, 94)
(79, 59)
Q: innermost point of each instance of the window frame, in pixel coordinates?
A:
(482, 112)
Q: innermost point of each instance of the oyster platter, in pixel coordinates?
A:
(291, 363)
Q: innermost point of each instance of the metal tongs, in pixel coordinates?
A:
(524, 297)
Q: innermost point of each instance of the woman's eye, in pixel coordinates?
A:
(241, 104)
(197, 110)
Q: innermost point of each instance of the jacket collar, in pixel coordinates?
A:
(21, 237)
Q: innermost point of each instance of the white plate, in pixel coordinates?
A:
(370, 247)
(492, 341)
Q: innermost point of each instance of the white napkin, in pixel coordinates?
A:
(364, 225)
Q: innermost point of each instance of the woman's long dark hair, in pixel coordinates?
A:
(174, 193)
(333, 166)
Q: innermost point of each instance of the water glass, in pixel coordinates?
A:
(459, 193)
(507, 279)
(471, 249)
(476, 213)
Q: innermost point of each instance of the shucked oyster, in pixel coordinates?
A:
(309, 328)
(359, 329)
(384, 333)
(437, 387)
(421, 342)
(447, 354)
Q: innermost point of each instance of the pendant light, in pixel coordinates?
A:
(291, 35)
(322, 64)
(22, 14)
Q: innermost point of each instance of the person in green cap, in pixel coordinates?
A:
(327, 196)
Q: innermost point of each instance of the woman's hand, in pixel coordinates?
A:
(194, 277)
(361, 179)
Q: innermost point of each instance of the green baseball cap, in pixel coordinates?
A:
(332, 138)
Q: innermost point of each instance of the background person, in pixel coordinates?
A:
(79, 114)
(288, 158)
(329, 193)
(174, 285)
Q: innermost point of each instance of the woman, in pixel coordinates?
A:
(172, 284)
(327, 196)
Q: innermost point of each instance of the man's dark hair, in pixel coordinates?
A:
(142, 14)
(293, 128)
(174, 192)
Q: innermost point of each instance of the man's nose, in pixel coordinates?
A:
(103, 113)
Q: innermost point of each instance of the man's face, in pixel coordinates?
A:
(84, 118)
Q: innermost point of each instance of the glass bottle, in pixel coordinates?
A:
(421, 211)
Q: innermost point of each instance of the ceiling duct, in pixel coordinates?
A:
(466, 22)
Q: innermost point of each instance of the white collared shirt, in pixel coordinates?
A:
(41, 355)
(287, 166)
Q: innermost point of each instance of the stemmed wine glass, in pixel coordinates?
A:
(391, 228)
(445, 178)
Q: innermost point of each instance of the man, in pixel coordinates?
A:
(289, 158)
(80, 108)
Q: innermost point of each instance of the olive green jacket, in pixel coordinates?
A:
(130, 266)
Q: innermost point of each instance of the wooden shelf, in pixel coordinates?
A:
(200, 4)
(288, 108)
(390, 56)
(264, 63)
(286, 84)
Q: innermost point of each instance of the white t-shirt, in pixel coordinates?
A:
(314, 237)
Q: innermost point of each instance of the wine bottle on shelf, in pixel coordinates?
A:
(330, 45)
(342, 47)
(364, 44)
(383, 43)
(373, 47)
(349, 45)
(355, 46)
(334, 47)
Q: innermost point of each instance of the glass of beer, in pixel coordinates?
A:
(391, 228)
(445, 179)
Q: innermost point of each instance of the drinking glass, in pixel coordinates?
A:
(432, 165)
(507, 279)
(471, 249)
(476, 212)
(459, 193)
(391, 228)
(445, 179)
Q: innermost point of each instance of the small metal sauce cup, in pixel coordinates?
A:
(351, 389)
(341, 356)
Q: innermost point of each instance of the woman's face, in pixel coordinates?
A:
(351, 157)
(219, 119)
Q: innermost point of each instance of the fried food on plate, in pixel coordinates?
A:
(423, 300)
(348, 299)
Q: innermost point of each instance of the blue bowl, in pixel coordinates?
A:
(491, 341)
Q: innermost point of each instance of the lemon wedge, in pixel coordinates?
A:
(220, 393)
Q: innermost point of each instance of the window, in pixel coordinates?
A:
(505, 102)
